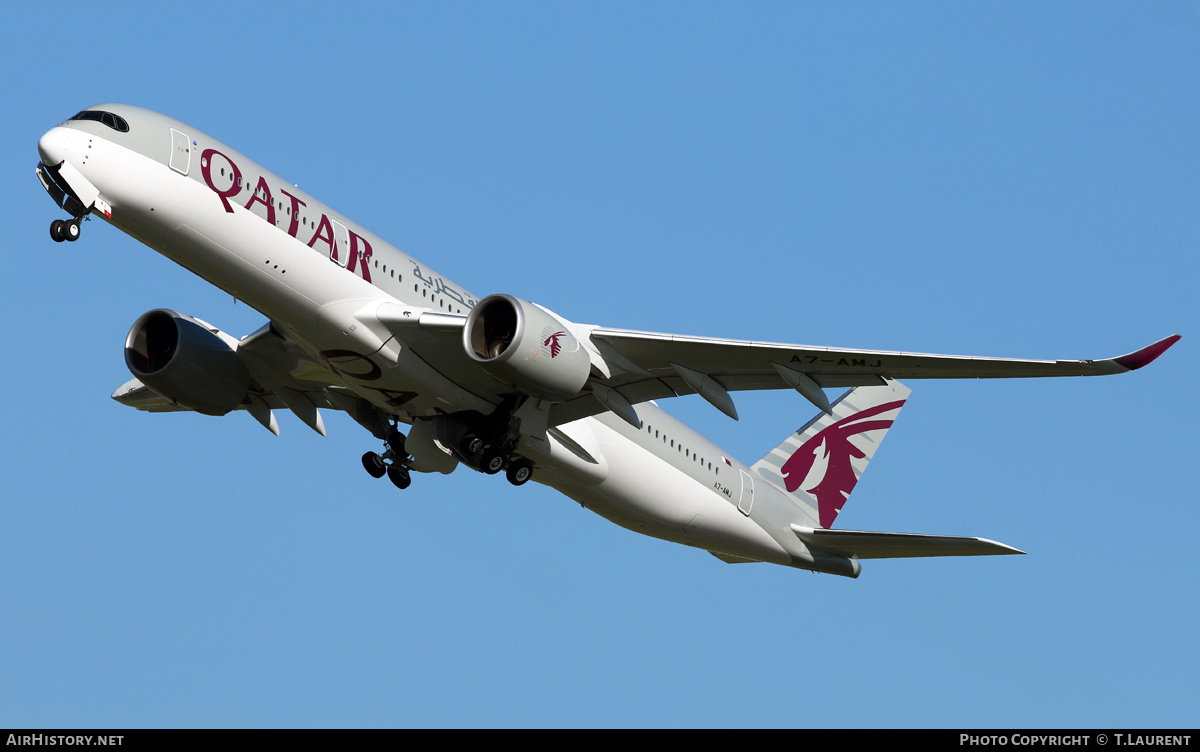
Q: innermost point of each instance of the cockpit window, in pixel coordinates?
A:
(116, 122)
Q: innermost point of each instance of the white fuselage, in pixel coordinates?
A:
(312, 272)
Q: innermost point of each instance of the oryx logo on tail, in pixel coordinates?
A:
(832, 444)
(820, 464)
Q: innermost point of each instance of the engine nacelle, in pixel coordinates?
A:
(526, 347)
(183, 360)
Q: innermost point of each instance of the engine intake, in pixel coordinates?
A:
(182, 359)
(527, 347)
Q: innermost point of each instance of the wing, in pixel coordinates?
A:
(650, 365)
(629, 367)
(626, 368)
(283, 376)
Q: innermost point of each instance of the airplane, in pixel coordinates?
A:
(445, 378)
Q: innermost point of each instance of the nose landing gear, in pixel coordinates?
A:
(67, 199)
(61, 230)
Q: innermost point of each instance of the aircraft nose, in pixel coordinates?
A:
(55, 145)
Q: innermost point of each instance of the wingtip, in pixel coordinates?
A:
(1147, 354)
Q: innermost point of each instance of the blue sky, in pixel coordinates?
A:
(1014, 179)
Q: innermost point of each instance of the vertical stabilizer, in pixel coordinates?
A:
(820, 464)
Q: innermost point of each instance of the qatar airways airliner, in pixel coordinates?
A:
(447, 379)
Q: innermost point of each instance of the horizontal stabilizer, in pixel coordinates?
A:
(867, 545)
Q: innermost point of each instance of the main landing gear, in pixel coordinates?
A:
(392, 463)
(487, 446)
(519, 471)
(494, 457)
(61, 230)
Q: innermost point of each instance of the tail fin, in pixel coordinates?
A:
(820, 464)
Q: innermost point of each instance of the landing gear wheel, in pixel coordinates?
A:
(373, 464)
(519, 472)
(492, 463)
(399, 476)
(70, 230)
(56, 231)
(471, 445)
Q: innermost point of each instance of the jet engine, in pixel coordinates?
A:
(527, 347)
(186, 360)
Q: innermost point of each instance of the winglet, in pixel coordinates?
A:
(1147, 354)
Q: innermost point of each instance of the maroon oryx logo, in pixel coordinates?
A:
(555, 346)
(838, 481)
